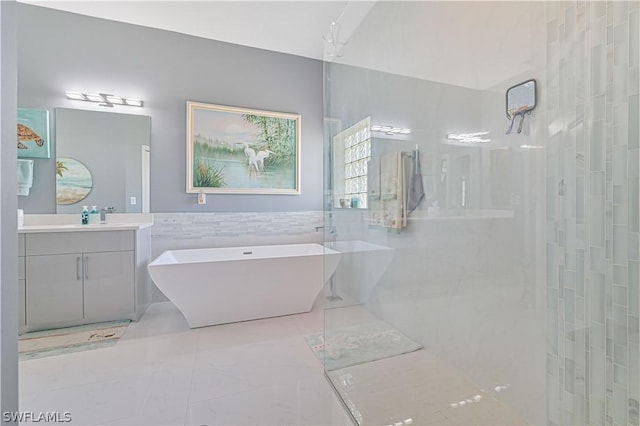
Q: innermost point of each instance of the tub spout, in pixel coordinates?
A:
(332, 229)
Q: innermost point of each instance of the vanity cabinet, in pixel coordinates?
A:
(54, 289)
(108, 285)
(83, 277)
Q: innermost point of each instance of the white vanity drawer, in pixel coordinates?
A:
(79, 242)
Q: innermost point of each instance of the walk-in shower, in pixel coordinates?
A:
(510, 293)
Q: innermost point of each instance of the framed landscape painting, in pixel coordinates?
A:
(33, 133)
(242, 151)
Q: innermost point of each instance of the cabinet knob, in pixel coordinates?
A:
(78, 268)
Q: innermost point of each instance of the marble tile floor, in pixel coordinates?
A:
(251, 373)
(418, 389)
(163, 373)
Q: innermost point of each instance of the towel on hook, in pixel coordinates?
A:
(394, 190)
(389, 175)
(374, 203)
(416, 188)
(25, 176)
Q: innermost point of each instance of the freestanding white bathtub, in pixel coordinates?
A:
(221, 285)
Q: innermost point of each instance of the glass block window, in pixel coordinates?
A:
(353, 152)
(357, 154)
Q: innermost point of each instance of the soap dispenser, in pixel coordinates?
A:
(85, 215)
(93, 215)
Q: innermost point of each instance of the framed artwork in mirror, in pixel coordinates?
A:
(33, 133)
(242, 151)
(73, 181)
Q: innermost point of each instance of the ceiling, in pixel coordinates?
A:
(294, 27)
(475, 44)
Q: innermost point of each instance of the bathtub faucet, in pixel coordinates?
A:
(332, 229)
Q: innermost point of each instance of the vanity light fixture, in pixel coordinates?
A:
(104, 99)
(469, 137)
(390, 130)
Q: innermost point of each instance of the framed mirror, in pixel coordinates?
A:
(114, 148)
(521, 98)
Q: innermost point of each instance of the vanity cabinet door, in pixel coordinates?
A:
(108, 285)
(53, 288)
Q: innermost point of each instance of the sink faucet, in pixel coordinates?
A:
(103, 213)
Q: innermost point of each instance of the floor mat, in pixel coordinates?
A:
(39, 344)
(347, 346)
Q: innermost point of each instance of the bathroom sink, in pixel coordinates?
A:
(71, 222)
(62, 227)
(75, 226)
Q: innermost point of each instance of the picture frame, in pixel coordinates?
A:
(233, 150)
(33, 133)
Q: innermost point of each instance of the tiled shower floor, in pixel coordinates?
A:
(418, 389)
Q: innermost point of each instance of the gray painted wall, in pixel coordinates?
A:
(8, 219)
(60, 51)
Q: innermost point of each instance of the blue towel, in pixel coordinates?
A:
(416, 189)
(25, 176)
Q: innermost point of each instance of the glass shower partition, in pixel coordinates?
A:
(487, 276)
(497, 283)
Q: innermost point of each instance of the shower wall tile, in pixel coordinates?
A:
(634, 80)
(634, 111)
(593, 60)
(633, 167)
(634, 290)
(634, 39)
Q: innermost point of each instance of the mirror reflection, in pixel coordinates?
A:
(521, 98)
(114, 149)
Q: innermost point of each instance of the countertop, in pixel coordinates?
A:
(40, 223)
